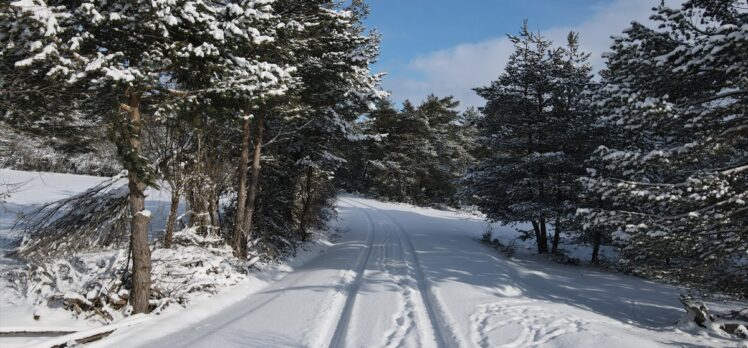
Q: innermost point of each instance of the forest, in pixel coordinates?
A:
(255, 116)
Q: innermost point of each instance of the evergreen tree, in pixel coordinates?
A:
(445, 132)
(511, 183)
(405, 156)
(533, 134)
(331, 54)
(673, 184)
(573, 136)
(419, 153)
(121, 62)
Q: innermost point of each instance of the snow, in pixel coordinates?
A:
(393, 275)
(414, 277)
(33, 190)
(37, 188)
(42, 13)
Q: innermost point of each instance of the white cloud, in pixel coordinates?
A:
(457, 70)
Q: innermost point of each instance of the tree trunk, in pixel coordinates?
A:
(303, 224)
(169, 235)
(556, 236)
(241, 200)
(540, 236)
(141, 254)
(596, 237)
(536, 228)
(213, 208)
(364, 174)
(543, 246)
(251, 197)
(218, 221)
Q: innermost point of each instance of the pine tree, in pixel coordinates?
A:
(445, 133)
(573, 136)
(28, 108)
(511, 183)
(417, 154)
(330, 54)
(122, 63)
(405, 156)
(534, 137)
(673, 182)
(32, 34)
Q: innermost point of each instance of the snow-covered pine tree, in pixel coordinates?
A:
(447, 134)
(32, 33)
(673, 184)
(573, 138)
(38, 134)
(512, 183)
(124, 62)
(406, 155)
(337, 87)
(416, 154)
(330, 53)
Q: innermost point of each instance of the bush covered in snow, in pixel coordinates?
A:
(96, 286)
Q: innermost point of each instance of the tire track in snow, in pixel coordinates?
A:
(338, 336)
(438, 324)
(297, 278)
(404, 320)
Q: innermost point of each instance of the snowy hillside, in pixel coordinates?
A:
(395, 275)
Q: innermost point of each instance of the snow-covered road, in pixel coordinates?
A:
(405, 276)
(368, 289)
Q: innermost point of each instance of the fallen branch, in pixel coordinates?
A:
(94, 218)
(698, 313)
(91, 335)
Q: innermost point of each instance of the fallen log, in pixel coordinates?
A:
(92, 335)
(698, 313)
(32, 333)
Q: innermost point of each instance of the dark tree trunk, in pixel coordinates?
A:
(362, 183)
(141, 254)
(596, 238)
(213, 208)
(543, 242)
(171, 222)
(241, 200)
(307, 205)
(252, 196)
(539, 228)
(556, 236)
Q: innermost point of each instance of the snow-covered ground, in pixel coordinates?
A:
(33, 189)
(397, 275)
(414, 277)
(29, 191)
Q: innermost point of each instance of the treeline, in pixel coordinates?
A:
(239, 108)
(650, 156)
(414, 154)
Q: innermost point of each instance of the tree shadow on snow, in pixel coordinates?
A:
(448, 252)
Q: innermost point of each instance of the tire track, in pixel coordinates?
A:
(405, 319)
(299, 277)
(437, 323)
(338, 336)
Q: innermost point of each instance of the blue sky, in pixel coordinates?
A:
(450, 46)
